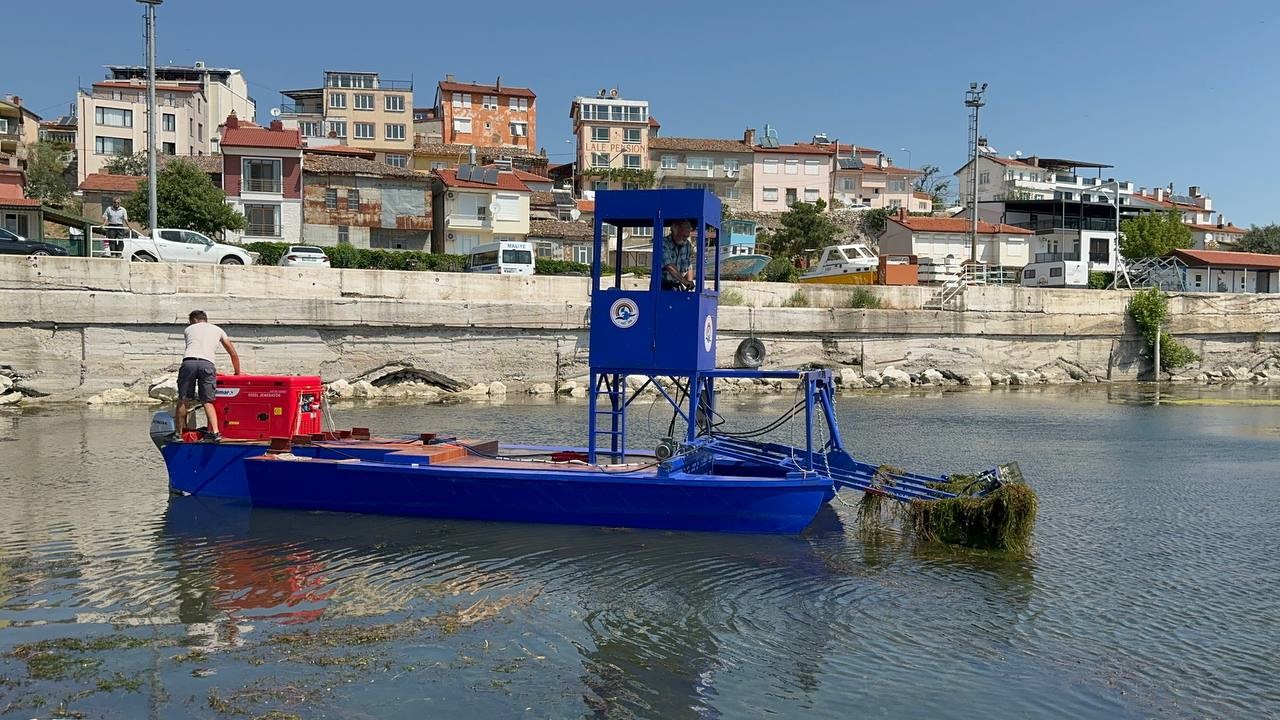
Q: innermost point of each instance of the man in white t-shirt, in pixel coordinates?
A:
(116, 218)
(197, 377)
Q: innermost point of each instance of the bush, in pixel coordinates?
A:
(1100, 280)
(548, 266)
(268, 252)
(1149, 309)
(732, 296)
(863, 298)
(798, 299)
(780, 270)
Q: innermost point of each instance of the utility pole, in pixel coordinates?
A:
(151, 112)
(973, 100)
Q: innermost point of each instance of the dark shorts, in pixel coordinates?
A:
(196, 380)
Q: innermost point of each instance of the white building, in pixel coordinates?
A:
(943, 239)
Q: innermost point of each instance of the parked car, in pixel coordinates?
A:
(11, 243)
(173, 245)
(304, 256)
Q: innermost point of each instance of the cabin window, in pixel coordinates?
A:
(1055, 272)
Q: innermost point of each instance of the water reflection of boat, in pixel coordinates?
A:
(848, 264)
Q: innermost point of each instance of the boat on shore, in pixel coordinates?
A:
(847, 264)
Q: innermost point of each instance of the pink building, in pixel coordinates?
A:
(262, 177)
(788, 174)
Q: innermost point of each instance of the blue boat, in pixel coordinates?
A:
(698, 477)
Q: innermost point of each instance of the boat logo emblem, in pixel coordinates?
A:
(708, 334)
(624, 313)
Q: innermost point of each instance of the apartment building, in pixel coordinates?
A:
(356, 201)
(360, 109)
(19, 130)
(474, 205)
(786, 174)
(613, 135)
(112, 120)
(866, 178)
(721, 166)
(225, 89)
(494, 115)
(262, 177)
(941, 239)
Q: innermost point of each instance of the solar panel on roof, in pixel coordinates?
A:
(490, 176)
(464, 172)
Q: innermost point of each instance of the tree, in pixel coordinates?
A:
(45, 169)
(127, 164)
(186, 198)
(938, 186)
(1265, 239)
(1153, 235)
(804, 227)
(872, 222)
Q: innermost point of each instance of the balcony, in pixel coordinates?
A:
(262, 230)
(302, 109)
(1044, 226)
(261, 185)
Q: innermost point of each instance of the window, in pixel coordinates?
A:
(793, 167)
(508, 207)
(112, 146)
(698, 186)
(600, 134)
(984, 178)
(899, 186)
(848, 184)
(489, 102)
(353, 199)
(261, 175)
(1055, 272)
(519, 129)
(632, 135)
(599, 159)
(1099, 250)
(462, 100)
(395, 131)
(462, 125)
(811, 194)
(309, 128)
(518, 104)
(631, 186)
(770, 194)
(810, 167)
(770, 166)
(338, 128)
(439, 165)
(331, 198)
(1029, 274)
(731, 168)
(200, 132)
(731, 193)
(263, 220)
(364, 131)
(344, 235)
(393, 103)
(363, 101)
(169, 148)
(895, 204)
(699, 166)
(791, 196)
(601, 185)
(17, 223)
(113, 117)
(338, 101)
(169, 122)
(669, 162)
(395, 160)
(191, 127)
(632, 161)
(348, 80)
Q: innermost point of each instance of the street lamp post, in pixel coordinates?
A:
(908, 152)
(973, 100)
(151, 112)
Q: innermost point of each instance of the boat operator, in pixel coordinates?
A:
(197, 377)
(677, 257)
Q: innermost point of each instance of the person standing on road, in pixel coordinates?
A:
(197, 378)
(116, 218)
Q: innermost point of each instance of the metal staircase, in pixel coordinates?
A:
(610, 420)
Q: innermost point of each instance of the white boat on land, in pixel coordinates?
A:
(848, 264)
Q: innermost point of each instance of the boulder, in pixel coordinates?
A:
(932, 377)
(497, 388)
(893, 377)
(1055, 375)
(578, 392)
(978, 379)
(339, 388)
(1021, 378)
(541, 389)
(164, 387)
(364, 389)
(873, 379)
(848, 377)
(114, 396)
(12, 398)
(999, 378)
(568, 386)
(6, 384)
(477, 390)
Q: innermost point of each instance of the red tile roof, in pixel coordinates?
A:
(798, 149)
(653, 122)
(888, 170)
(342, 150)
(486, 89)
(261, 137)
(19, 202)
(160, 87)
(698, 144)
(922, 196)
(956, 225)
(506, 181)
(103, 182)
(529, 177)
(1215, 228)
(1181, 207)
(586, 206)
(1222, 258)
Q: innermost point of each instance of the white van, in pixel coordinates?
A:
(507, 257)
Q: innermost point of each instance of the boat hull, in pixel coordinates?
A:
(678, 501)
(867, 277)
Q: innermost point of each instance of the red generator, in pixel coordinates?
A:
(260, 407)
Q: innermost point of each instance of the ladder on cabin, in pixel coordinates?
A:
(608, 421)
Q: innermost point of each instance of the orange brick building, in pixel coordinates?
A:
(490, 115)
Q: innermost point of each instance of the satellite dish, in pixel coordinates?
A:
(495, 208)
(275, 112)
(575, 213)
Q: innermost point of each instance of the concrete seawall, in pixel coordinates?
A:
(73, 327)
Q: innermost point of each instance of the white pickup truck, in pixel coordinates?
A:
(167, 245)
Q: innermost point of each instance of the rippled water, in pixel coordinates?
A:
(1151, 590)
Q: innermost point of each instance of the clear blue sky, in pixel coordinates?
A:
(1174, 91)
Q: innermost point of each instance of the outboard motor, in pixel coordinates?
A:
(162, 426)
